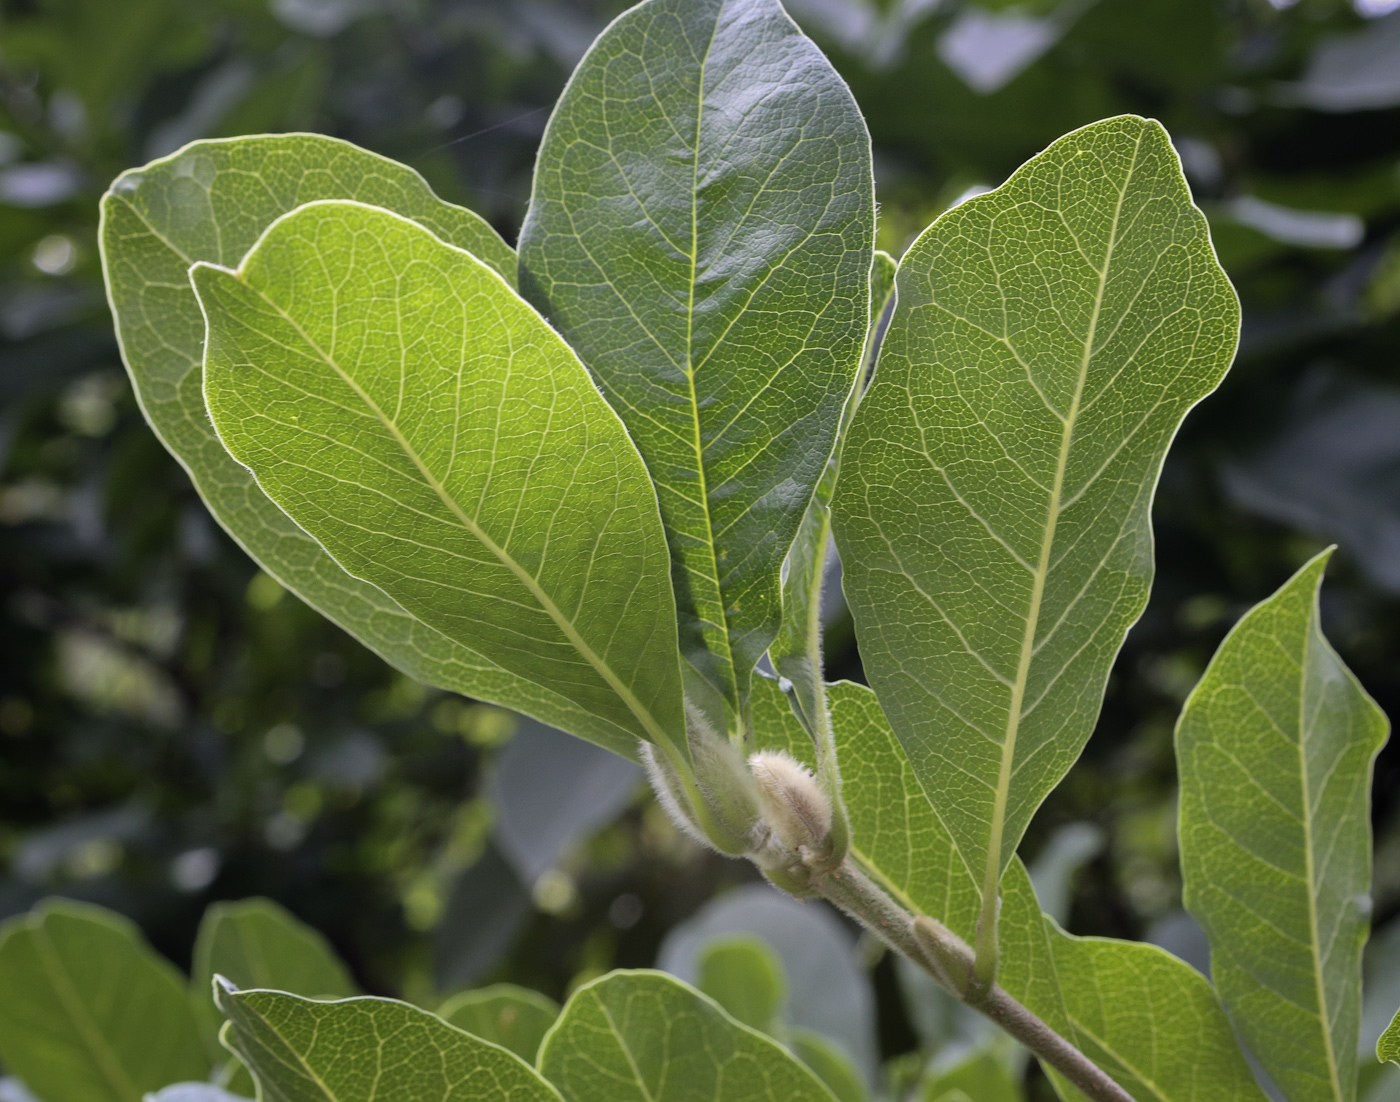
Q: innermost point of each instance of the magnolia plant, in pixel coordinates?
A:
(598, 479)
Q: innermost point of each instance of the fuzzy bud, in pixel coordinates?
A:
(795, 808)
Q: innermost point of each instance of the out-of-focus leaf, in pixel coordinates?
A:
(1307, 229)
(1355, 72)
(993, 510)
(368, 1050)
(210, 202)
(551, 791)
(1069, 849)
(828, 990)
(647, 1037)
(989, 49)
(701, 230)
(1333, 470)
(832, 1066)
(745, 977)
(515, 1018)
(257, 943)
(194, 1092)
(981, 1076)
(88, 1013)
(485, 911)
(556, 569)
(1275, 748)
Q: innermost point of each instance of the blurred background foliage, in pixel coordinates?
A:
(174, 729)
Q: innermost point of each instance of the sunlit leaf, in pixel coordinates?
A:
(701, 231)
(647, 1037)
(1275, 749)
(1388, 1047)
(490, 491)
(210, 202)
(993, 508)
(88, 1013)
(368, 1050)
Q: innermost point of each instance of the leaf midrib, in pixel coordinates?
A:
(1309, 859)
(696, 441)
(992, 874)
(561, 621)
(106, 1060)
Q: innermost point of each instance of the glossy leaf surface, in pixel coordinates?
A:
(210, 202)
(993, 508)
(368, 1050)
(490, 490)
(1275, 749)
(701, 230)
(647, 1037)
(515, 1018)
(88, 1013)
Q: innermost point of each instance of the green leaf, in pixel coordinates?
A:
(647, 1037)
(210, 202)
(88, 1013)
(490, 491)
(832, 1066)
(701, 230)
(515, 1018)
(796, 649)
(367, 1050)
(745, 977)
(993, 513)
(1148, 1019)
(981, 1076)
(1388, 1047)
(1275, 748)
(256, 943)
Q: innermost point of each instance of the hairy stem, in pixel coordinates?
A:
(951, 961)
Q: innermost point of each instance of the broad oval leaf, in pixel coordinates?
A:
(368, 1050)
(745, 976)
(515, 1018)
(701, 231)
(88, 1013)
(993, 512)
(1151, 1021)
(210, 202)
(1275, 748)
(258, 943)
(647, 1037)
(489, 490)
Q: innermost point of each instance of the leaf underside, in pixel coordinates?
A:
(1275, 748)
(489, 489)
(210, 202)
(368, 1050)
(701, 231)
(647, 1037)
(993, 511)
(1388, 1047)
(88, 1013)
(1148, 1019)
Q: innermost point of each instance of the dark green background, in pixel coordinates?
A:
(143, 660)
